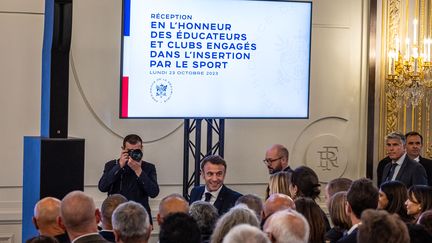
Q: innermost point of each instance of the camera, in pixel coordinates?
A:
(135, 154)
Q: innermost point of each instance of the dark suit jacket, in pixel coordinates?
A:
(380, 169)
(351, 238)
(225, 200)
(96, 238)
(427, 165)
(410, 173)
(108, 235)
(124, 181)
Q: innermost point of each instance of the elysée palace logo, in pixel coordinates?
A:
(161, 90)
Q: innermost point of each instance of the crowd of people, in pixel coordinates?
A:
(398, 210)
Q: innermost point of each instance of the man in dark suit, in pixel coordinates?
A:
(213, 171)
(402, 168)
(414, 145)
(362, 195)
(130, 176)
(79, 215)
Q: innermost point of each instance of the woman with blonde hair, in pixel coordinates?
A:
(279, 183)
(341, 221)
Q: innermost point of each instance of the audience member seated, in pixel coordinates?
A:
(45, 216)
(287, 226)
(334, 186)
(312, 212)
(42, 239)
(205, 216)
(244, 233)
(362, 195)
(253, 202)
(213, 171)
(425, 219)
(107, 209)
(274, 203)
(279, 183)
(419, 200)
(379, 226)
(392, 197)
(80, 217)
(173, 203)
(239, 214)
(341, 221)
(305, 183)
(131, 223)
(179, 228)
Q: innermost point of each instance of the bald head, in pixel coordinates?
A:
(45, 216)
(277, 202)
(276, 158)
(79, 214)
(173, 203)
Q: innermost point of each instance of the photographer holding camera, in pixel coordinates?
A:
(129, 175)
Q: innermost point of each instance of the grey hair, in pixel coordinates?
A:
(239, 214)
(245, 233)
(288, 226)
(131, 221)
(205, 214)
(396, 135)
(253, 202)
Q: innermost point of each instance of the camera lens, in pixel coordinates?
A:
(135, 154)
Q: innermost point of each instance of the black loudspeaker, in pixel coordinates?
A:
(52, 167)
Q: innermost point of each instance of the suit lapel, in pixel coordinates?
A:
(219, 199)
(402, 168)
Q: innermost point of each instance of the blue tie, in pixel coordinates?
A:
(391, 171)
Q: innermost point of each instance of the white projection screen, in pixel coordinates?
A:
(215, 59)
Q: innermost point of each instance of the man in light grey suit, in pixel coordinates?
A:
(402, 168)
(79, 215)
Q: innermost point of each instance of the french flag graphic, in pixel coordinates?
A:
(125, 75)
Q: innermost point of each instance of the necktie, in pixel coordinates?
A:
(391, 172)
(208, 196)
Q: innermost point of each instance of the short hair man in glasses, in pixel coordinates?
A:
(276, 159)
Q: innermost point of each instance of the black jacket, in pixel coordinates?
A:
(225, 200)
(124, 181)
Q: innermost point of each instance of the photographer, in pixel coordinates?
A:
(129, 175)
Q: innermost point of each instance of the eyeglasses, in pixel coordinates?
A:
(270, 161)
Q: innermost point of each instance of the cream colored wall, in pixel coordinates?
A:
(337, 103)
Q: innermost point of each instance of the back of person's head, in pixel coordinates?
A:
(418, 233)
(205, 215)
(279, 183)
(396, 193)
(337, 185)
(173, 203)
(131, 223)
(425, 219)
(337, 212)
(277, 202)
(78, 213)
(108, 205)
(381, 227)
(362, 195)
(132, 139)
(239, 214)
(313, 214)
(42, 239)
(179, 228)
(306, 181)
(253, 202)
(287, 226)
(213, 159)
(244, 233)
(45, 216)
(422, 195)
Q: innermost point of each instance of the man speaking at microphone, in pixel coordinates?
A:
(129, 175)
